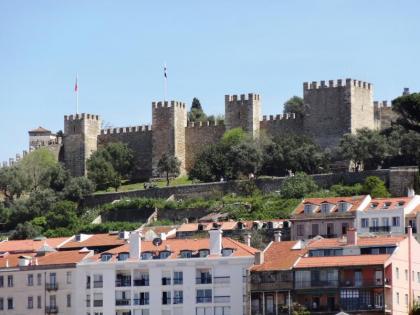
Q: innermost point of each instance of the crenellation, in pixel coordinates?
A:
(81, 116)
(279, 117)
(334, 84)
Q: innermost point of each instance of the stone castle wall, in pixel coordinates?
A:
(384, 115)
(362, 110)
(138, 139)
(198, 135)
(280, 125)
(243, 111)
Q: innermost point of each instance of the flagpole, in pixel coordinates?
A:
(165, 84)
(77, 94)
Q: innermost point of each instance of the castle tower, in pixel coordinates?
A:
(244, 112)
(80, 141)
(336, 108)
(168, 134)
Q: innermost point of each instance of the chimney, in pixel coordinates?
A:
(411, 192)
(135, 245)
(24, 261)
(352, 236)
(277, 236)
(259, 258)
(163, 236)
(215, 242)
(248, 239)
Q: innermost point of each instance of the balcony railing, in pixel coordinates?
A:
(123, 283)
(53, 286)
(166, 300)
(316, 284)
(122, 302)
(203, 280)
(51, 309)
(222, 299)
(204, 299)
(363, 282)
(141, 301)
(222, 280)
(178, 300)
(98, 284)
(98, 303)
(166, 281)
(141, 282)
(373, 229)
(178, 280)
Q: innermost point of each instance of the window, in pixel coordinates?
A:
(406, 274)
(87, 300)
(9, 303)
(397, 272)
(106, 257)
(326, 207)
(343, 206)
(344, 228)
(30, 280)
(204, 296)
(39, 301)
(227, 252)
(178, 297)
(364, 222)
(385, 221)
(395, 221)
(39, 279)
(186, 254)
(123, 256)
(146, 256)
(375, 222)
(98, 281)
(1, 304)
(98, 300)
(204, 311)
(178, 277)
(1, 281)
(406, 300)
(398, 298)
(164, 254)
(10, 281)
(418, 277)
(166, 297)
(308, 208)
(203, 252)
(299, 229)
(222, 310)
(315, 230)
(68, 277)
(68, 300)
(30, 302)
(53, 301)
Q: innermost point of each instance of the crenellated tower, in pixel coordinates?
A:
(169, 123)
(80, 140)
(243, 111)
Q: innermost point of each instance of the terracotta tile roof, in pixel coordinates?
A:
(280, 256)
(159, 229)
(388, 203)
(96, 240)
(178, 245)
(355, 201)
(224, 225)
(30, 245)
(55, 258)
(341, 261)
(40, 129)
(362, 241)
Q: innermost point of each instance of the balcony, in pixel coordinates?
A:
(98, 303)
(178, 281)
(203, 280)
(141, 282)
(363, 283)
(166, 281)
(203, 299)
(141, 301)
(51, 309)
(98, 284)
(122, 302)
(178, 300)
(53, 286)
(316, 284)
(123, 282)
(380, 229)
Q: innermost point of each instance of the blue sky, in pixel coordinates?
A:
(211, 48)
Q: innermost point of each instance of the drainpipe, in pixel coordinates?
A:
(410, 292)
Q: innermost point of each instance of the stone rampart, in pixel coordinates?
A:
(280, 125)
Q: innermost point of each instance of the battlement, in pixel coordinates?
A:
(242, 98)
(279, 117)
(314, 85)
(133, 129)
(80, 117)
(192, 124)
(386, 104)
(166, 104)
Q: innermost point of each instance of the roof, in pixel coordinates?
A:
(23, 246)
(225, 225)
(49, 259)
(342, 261)
(178, 245)
(40, 130)
(355, 202)
(280, 256)
(96, 240)
(414, 212)
(388, 203)
(362, 241)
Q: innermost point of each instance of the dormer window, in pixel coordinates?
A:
(227, 252)
(343, 206)
(123, 256)
(373, 205)
(326, 207)
(106, 257)
(241, 226)
(186, 254)
(386, 205)
(146, 256)
(164, 254)
(201, 227)
(203, 252)
(401, 203)
(308, 208)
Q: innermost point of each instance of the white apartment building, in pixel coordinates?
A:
(387, 215)
(39, 283)
(167, 277)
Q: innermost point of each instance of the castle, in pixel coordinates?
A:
(331, 109)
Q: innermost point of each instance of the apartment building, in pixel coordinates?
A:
(167, 277)
(41, 282)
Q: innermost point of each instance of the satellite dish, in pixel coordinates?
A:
(157, 241)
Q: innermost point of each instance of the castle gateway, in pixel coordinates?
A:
(330, 110)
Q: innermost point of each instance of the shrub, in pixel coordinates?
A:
(298, 186)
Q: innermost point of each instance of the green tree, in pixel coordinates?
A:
(298, 186)
(196, 112)
(169, 165)
(25, 231)
(366, 148)
(120, 156)
(63, 214)
(408, 108)
(56, 177)
(375, 187)
(13, 182)
(294, 105)
(36, 165)
(244, 158)
(233, 137)
(102, 173)
(78, 188)
(211, 165)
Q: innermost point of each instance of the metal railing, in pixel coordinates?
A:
(203, 280)
(123, 282)
(166, 281)
(141, 282)
(122, 302)
(98, 284)
(178, 300)
(385, 228)
(371, 282)
(98, 303)
(316, 284)
(141, 301)
(53, 286)
(166, 301)
(178, 280)
(51, 309)
(203, 299)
